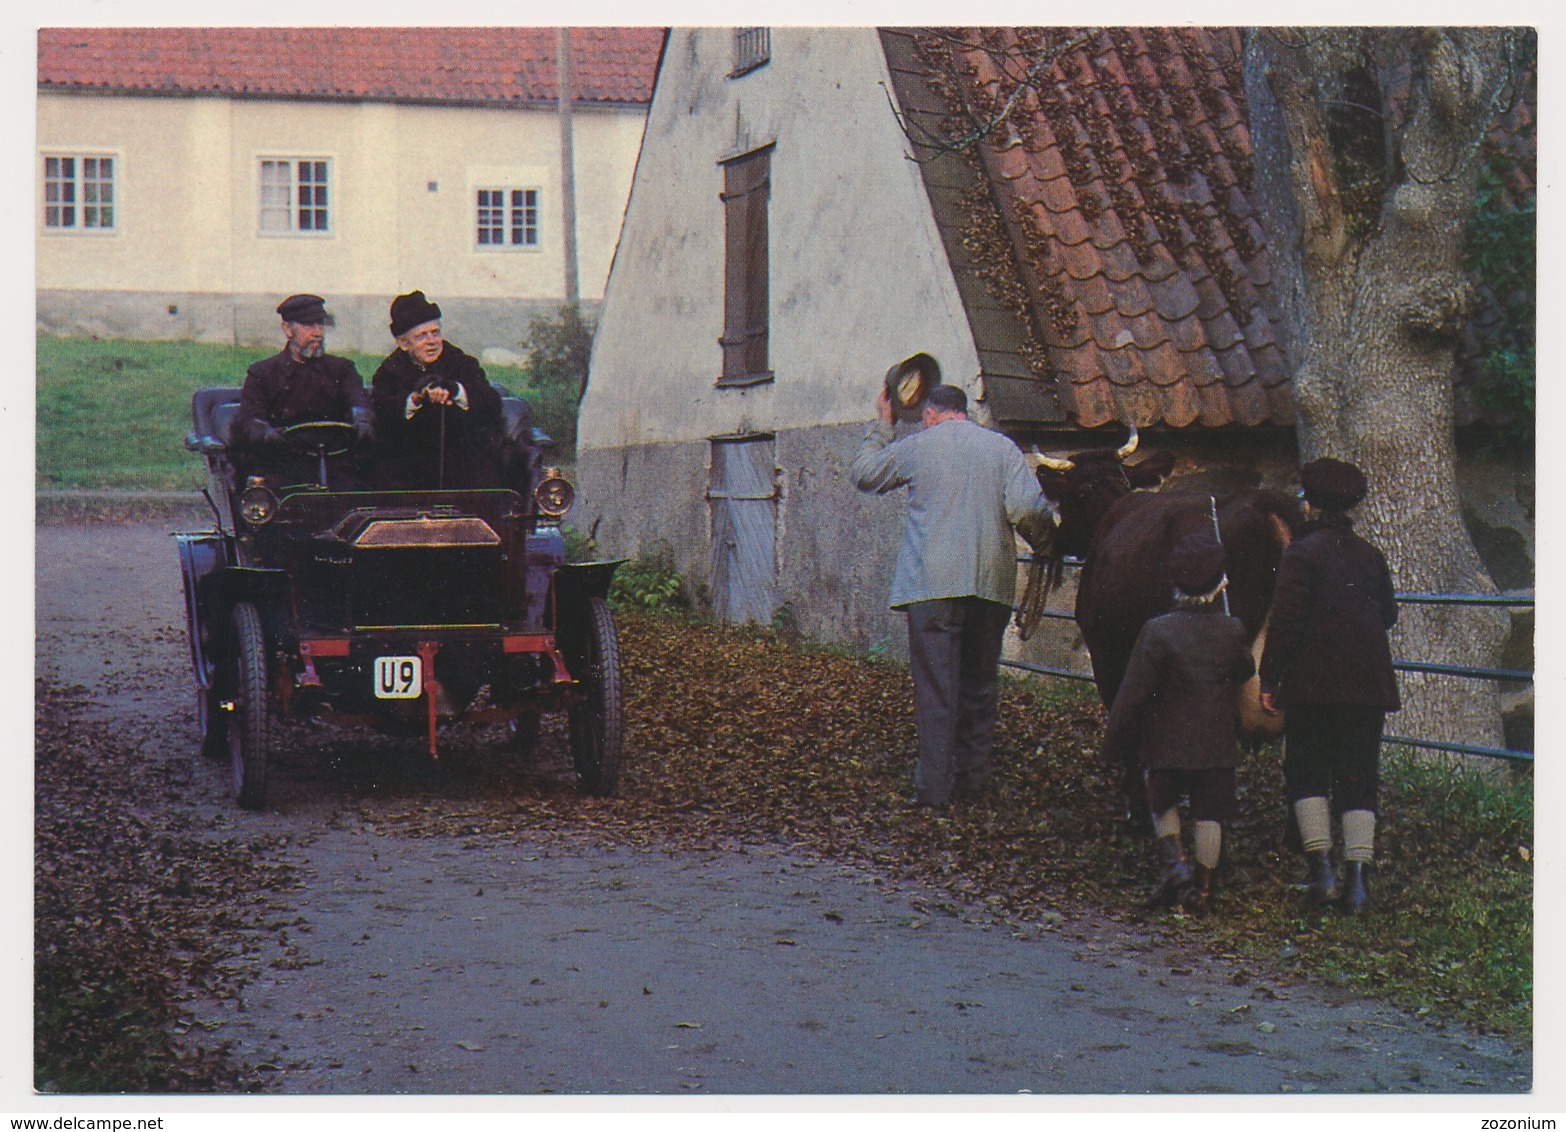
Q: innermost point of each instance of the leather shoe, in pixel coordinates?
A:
(917, 802)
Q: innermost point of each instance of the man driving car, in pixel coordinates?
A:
(301, 383)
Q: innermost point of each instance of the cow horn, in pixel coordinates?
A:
(1053, 463)
(1129, 446)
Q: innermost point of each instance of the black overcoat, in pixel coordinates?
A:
(1331, 609)
(409, 448)
(1175, 710)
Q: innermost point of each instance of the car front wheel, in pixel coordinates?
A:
(250, 724)
(596, 721)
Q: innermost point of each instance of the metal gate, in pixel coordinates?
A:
(742, 493)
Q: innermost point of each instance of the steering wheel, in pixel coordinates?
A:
(322, 438)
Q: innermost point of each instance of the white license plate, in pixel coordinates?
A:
(398, 677)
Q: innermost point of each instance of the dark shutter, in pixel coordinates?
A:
(746, 189)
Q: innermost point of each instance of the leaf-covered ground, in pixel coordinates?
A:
(135, 910)
(734, 737)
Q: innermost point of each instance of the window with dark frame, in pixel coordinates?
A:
(294, 195)
(78, 192)
(507, 218)
(747, 185)
(752, 48)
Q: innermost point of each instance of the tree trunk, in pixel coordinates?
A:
(1375, 294)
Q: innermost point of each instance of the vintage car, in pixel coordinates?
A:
(404, 610)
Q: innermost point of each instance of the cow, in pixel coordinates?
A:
(1124, 537)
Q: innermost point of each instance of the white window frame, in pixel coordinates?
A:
(80, 187)
(272, 205)
(508, 221)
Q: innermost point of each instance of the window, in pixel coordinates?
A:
(78, 192)
(752, 48)
(746, 190)
(507, 218)
(294, 194)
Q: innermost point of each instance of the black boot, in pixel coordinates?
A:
(1318, 889)
(1177, 876)
(1201, 898)
(1354, 898)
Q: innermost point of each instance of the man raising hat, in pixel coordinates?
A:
(968, 489)
(300, 383)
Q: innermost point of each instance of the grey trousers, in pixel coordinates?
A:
(954, 649)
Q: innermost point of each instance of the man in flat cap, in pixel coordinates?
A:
(436, 414)
(1174, 717)
(298, 384)
(1329, 664)
(956, 575)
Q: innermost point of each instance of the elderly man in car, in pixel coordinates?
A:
(436, 414)
(301, 383)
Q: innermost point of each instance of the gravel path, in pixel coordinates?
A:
(570, 962)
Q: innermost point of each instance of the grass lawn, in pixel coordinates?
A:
(113, 414)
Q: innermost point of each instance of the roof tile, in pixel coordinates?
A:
(499, 66)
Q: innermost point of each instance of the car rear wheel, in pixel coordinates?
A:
(250, 725)
(596, 722)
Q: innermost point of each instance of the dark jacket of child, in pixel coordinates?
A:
(1176, 708)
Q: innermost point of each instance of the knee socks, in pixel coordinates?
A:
(1315, 822)
(1209, 843)
(1167, 824)
(1359, 835)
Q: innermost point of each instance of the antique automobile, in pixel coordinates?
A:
(403, 610)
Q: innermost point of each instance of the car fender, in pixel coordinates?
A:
(203, 557)
(585, 579)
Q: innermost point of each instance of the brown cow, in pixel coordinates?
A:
(1125, 536)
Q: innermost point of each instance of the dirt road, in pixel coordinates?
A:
(542, 958)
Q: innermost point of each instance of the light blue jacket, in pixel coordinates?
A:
(967, 488)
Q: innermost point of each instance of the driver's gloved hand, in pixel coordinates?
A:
(271, 436)
(364, 424)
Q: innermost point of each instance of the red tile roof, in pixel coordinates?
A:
(1105, 244)
(464, 65)
(1111, 226)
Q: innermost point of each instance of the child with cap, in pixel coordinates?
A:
(1329, 664)
(1175, 716)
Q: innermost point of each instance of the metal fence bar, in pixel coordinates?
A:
(1046, 670)
(1461, 748)
(1510, 675)
(1519, 600)
(1505, 675)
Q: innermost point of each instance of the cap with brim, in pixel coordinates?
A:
(308, 310)
(1332, 485)
(1197, 564)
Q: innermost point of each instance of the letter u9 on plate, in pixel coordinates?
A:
(398, 677)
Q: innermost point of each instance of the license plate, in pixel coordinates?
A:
(398, 677)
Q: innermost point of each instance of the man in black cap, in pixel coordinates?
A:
(1329, 664)
(437, 416)
(301, 383)
(1174, 716)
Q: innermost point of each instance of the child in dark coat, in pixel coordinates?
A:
(1329, 662)
(1175, 716)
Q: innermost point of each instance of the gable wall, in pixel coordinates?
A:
(858, 280)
